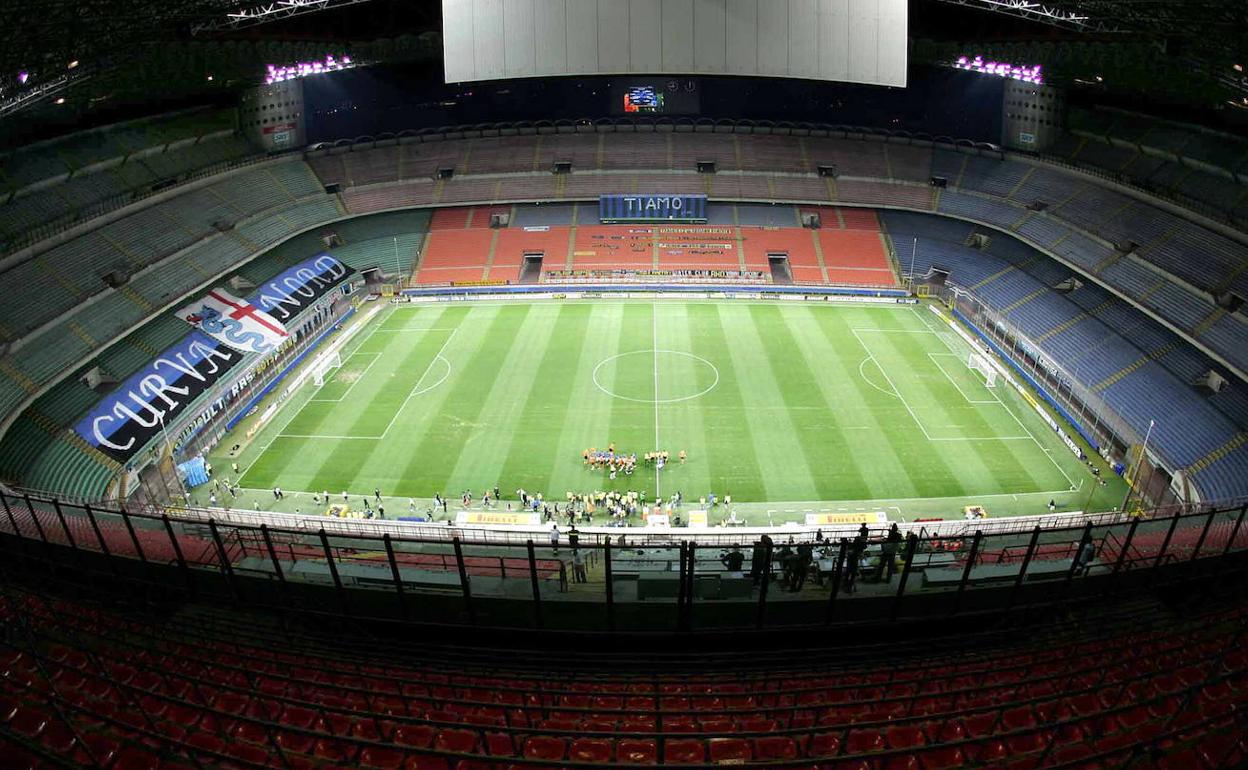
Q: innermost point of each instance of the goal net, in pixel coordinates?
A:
(323, 365)
(978, 362)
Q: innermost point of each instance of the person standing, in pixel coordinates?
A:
(801, 567)
(888, 554)
(377, 493)
(554, 538)
(578, 567)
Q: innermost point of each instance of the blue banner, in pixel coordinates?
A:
(289, 293)
(132, 415)
(651, 208)
(152, 397)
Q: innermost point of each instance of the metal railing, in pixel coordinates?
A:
(616, 578)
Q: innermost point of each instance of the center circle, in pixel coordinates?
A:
(659, 366)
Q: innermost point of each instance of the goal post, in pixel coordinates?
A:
(324, 364)
(978, 362)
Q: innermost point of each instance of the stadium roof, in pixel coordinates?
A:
(89, 51)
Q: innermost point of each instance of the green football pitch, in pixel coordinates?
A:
(787, 407)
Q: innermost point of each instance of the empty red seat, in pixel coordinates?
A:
(942, 758)
(500, 744)
(424, 762)
(545, 747)
(684, 751)
(728, 750)
(135, 758)
(862, 740)
(1221, 749)
(636, 751)
(458, 741)
(381, 758)
(902, 762)
(773, 747)
(904, 737)
(986, 750)
(28, 721)
(590, 750)
(825, 745)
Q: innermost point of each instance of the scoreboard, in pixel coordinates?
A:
(652, 208)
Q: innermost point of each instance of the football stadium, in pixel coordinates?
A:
(553, 384)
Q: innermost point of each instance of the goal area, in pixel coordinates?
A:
(978, 362)
(323, 365)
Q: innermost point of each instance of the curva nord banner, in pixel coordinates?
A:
(132, 415)
(127, 419)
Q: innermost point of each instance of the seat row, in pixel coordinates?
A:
(81, 702)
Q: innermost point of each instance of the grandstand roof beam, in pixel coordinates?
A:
(1042, 13)
(253, 15)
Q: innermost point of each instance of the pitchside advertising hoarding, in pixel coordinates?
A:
(613, 209)
(227, 331)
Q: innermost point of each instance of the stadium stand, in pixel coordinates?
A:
(1109, 352)
(128, 688)
(173, 246)
(454, 253)
(1202, 169)
(56, 183)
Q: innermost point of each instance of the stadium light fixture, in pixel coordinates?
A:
(277, 73)
(1025, 73)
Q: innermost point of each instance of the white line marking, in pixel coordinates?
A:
(952, 381)
(613, 394)
(353, 383)
(867, 380)
(654, 316)
(1032, 435)
(419, 329)
(893, 385)
(416, 390)
(291, 414)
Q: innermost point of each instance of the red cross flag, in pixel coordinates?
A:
(236, 322)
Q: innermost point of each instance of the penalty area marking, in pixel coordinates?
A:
(914, 415)
(359, 376)
(655, 353)
(936, 360)
(418, 390)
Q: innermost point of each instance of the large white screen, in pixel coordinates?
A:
(858, 41)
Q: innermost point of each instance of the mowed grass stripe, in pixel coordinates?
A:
(631, 428)
(681, 423)
(586, 421)
(732, 464)
(924, 471)
(300, 463)
(829, 455)
(983, 463)
(430, 465)
(1017, 465)
(534, 452)
(401, 360)
(345, 463)
(786, 471)
(491, 434)
(879, 469)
